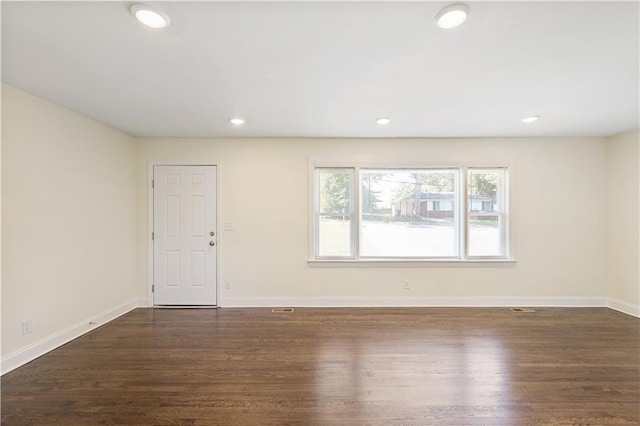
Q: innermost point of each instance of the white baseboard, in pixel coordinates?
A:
(238, 302)
(624, 307)
(41, 347)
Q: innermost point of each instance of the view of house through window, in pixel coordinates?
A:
(410, 213)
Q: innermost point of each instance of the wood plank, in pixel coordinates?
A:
(338, 366)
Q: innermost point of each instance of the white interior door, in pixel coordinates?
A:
(185, 235)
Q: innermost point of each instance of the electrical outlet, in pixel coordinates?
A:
(228, 226)
(405, 285)
(27, 327)
(227, 285)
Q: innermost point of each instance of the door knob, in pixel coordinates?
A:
(211, 243)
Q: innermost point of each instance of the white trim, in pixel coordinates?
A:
(462, 222)
(150, 166)
(462, 213)
(355, 209)
(415, 262)
(29, 353)
(503, 199)
(149, 232)
(624, 307)
(315, 213)
(311, 211)
(352, 301)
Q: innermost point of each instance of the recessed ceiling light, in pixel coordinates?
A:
(452, 16)
(383, 121)
(237, 121)
(150, 16)
(530, 119)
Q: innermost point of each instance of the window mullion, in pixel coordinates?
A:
(463, 208)
(356, 212)
(316, 213)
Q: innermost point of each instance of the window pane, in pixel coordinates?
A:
(408, 213)
(334, 236)
(485, 236)
(334, 190)
(487, 232)
(483, 190)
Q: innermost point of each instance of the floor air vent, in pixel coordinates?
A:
(282, 310)
(522, 310)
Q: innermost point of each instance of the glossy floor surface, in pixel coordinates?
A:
(382, 366)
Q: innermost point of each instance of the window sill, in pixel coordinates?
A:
(414, 262)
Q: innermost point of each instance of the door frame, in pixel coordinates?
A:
(150, 165)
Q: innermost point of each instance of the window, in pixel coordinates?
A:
(362, 213)
(334, 213)
(487, 217)
(401, 214)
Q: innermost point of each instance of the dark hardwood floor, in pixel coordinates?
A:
(386, 366)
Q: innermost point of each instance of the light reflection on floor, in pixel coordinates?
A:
(377, 374)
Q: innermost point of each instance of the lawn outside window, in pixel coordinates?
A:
(432, 214)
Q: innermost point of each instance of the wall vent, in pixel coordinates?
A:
(522, 310)
(282, 310)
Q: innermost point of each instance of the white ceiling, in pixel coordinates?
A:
(328, 69)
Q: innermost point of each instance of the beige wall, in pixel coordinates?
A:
(623, 217)
(68, 218)
(558, 221)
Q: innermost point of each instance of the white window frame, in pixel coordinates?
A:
(353, 193)
(502, 213)
(462, 215)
